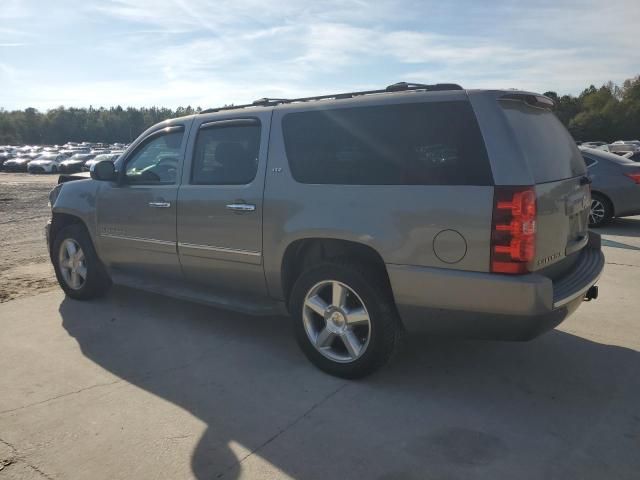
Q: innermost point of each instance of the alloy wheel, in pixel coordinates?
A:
(336, 321)
(72, 263)
(596, 215)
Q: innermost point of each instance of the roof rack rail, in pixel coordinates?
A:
(402, 86)
(396, 87)
(268, 102)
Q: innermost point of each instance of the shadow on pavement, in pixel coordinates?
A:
(558, 407)
(622, 227)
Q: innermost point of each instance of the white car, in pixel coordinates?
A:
(46, 163)
(105, 156)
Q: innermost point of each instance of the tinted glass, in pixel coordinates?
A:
(550, 150)
(407, 144)
(226, 155)
(156, 161)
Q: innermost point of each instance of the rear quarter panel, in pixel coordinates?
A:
(399, 222)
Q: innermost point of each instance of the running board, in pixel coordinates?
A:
(198, 294)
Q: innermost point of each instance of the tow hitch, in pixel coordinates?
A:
(591, 294)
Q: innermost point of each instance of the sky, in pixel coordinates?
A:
(211, 53)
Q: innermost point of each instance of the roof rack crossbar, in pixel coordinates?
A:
(396, 87)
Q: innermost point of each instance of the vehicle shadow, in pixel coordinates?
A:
(557, 407)
(622, 227)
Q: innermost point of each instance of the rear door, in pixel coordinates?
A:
(558, 171)
(220, 203)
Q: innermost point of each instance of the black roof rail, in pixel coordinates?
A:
(438, 87)
(396, 87)
(268, 102)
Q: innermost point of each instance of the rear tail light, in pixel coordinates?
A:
(513, 230)
(634, 176)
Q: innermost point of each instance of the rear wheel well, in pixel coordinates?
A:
(60, 221)
(606, 198)
(303, 254)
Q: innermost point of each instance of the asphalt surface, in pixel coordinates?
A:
(139, 386)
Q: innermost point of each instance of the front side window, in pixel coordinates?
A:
(433, 143)
(156, 161)
(226, 155)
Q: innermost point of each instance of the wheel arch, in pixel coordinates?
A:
(307, 252)
(60, 220)
(607, 198)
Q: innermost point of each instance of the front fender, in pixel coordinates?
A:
(79, 199)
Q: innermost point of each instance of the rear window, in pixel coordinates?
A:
(550, 150)
(407, 144)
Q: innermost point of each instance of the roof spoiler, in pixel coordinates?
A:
(538, 101)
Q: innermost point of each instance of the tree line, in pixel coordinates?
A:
(608, 113)
(61, 125)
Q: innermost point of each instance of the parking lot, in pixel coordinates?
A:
(140, 386)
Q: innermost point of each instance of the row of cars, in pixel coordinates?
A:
(68, 158)
(625, 148)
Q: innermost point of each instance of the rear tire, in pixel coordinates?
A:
(352, 336)
(601, 212)
(79, 271)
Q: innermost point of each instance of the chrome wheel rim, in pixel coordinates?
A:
(336, 321)
(72, 263)
(596, 215)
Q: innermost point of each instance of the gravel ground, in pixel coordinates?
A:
(24, 262)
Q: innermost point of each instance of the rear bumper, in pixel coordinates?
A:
(486, 305)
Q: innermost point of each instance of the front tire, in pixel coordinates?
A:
(345, 320)
(79, 271)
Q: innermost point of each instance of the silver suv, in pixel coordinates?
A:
(416, 207)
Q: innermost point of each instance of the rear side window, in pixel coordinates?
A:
(226, 155)
(550, 150)
(407, 144)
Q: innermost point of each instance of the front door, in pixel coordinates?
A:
(220, 204)
(137, 215)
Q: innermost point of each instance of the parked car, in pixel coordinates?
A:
(98, 158)
(46, 163)
(17, 164)
(4, 156)
(414, 207)
(615, 191)
(597, 145)
(75, 163)
(627, 142)
(622, 148)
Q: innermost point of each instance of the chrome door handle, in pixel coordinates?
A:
(241, 207)
(160, 204)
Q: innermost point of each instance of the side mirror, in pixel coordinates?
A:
(104, 170)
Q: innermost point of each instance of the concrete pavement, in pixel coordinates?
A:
(140, 386)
